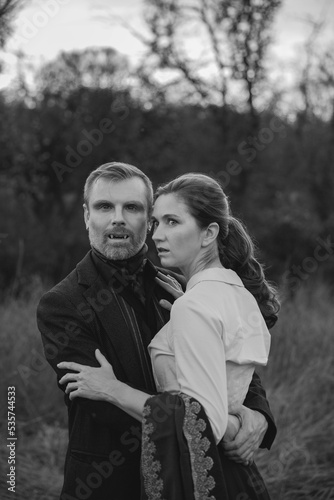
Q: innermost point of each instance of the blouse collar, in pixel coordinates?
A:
(215, 274)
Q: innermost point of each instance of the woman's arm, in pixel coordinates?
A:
(100, 384)
(200, 357)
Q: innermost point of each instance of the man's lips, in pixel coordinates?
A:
(118, 236)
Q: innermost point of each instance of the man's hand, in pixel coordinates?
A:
(247, 441)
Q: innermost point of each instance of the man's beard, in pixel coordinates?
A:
(113, 252)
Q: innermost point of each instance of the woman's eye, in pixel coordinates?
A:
(172, 222)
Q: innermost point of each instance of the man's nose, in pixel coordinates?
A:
(117, 216)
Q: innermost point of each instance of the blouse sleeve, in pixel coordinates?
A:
(200, 358)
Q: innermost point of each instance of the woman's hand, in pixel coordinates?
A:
(89, 382)
(171, 285)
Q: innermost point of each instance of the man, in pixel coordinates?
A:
(111, 301)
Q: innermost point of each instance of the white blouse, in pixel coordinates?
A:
(209, 348)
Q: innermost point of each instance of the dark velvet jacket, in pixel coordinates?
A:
(77, 316)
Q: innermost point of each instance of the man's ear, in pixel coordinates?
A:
(210, 234)
(86, 214)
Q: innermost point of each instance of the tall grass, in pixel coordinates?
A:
(299, 380)
(40, 411)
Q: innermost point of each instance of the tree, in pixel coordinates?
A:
(91, 68)
(208, 47)
(8, 9)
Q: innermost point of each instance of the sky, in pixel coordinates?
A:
(46, 27)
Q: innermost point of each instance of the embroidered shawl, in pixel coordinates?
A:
(180, 460)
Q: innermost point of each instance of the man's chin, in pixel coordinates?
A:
(118, 253)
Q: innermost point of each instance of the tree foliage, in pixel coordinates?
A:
(8, 10)
(210, 46)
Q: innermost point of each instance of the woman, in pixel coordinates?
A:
(204, 357)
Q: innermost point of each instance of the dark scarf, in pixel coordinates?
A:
(128, 272)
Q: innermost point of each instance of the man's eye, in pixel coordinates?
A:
(171, 222)
(104, 206)
(132, 208)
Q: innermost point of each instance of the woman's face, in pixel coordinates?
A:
(176, 234)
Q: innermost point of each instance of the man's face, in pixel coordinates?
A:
(117, 217)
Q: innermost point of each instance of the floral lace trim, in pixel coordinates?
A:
(150, 467)
(198, 446)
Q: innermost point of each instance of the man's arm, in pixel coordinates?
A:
(257, 428)
(256, 399)
(68, 336)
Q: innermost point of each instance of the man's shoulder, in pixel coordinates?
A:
(76, 281)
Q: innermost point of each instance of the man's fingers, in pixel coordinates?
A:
(244, 458)
(237, 443)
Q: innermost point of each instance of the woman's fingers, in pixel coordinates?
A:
(162, 276)
(101, 359)
(71, 386)
(68, 378)
(164, 285)
(165, 304)
(70, 365)
(170, 285)
(170, 280)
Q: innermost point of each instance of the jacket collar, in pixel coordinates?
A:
(86, 270)
(215, 274)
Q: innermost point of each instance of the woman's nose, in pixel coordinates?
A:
(157, 234)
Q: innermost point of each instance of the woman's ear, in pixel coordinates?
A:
(210, 234)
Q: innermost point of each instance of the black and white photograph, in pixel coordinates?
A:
(166, 249)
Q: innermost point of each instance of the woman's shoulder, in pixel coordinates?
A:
(215, 275)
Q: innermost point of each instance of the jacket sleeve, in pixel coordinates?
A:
(256, 399)
(67, 335)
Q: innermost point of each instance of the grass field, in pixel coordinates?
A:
(299, 381)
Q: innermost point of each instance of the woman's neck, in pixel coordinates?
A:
(200, 265)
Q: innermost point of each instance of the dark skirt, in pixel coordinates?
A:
(180, 460)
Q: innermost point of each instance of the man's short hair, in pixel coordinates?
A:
(117, 171)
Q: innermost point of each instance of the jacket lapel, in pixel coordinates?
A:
(103, 301)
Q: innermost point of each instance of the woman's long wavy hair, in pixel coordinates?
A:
(207, 203)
